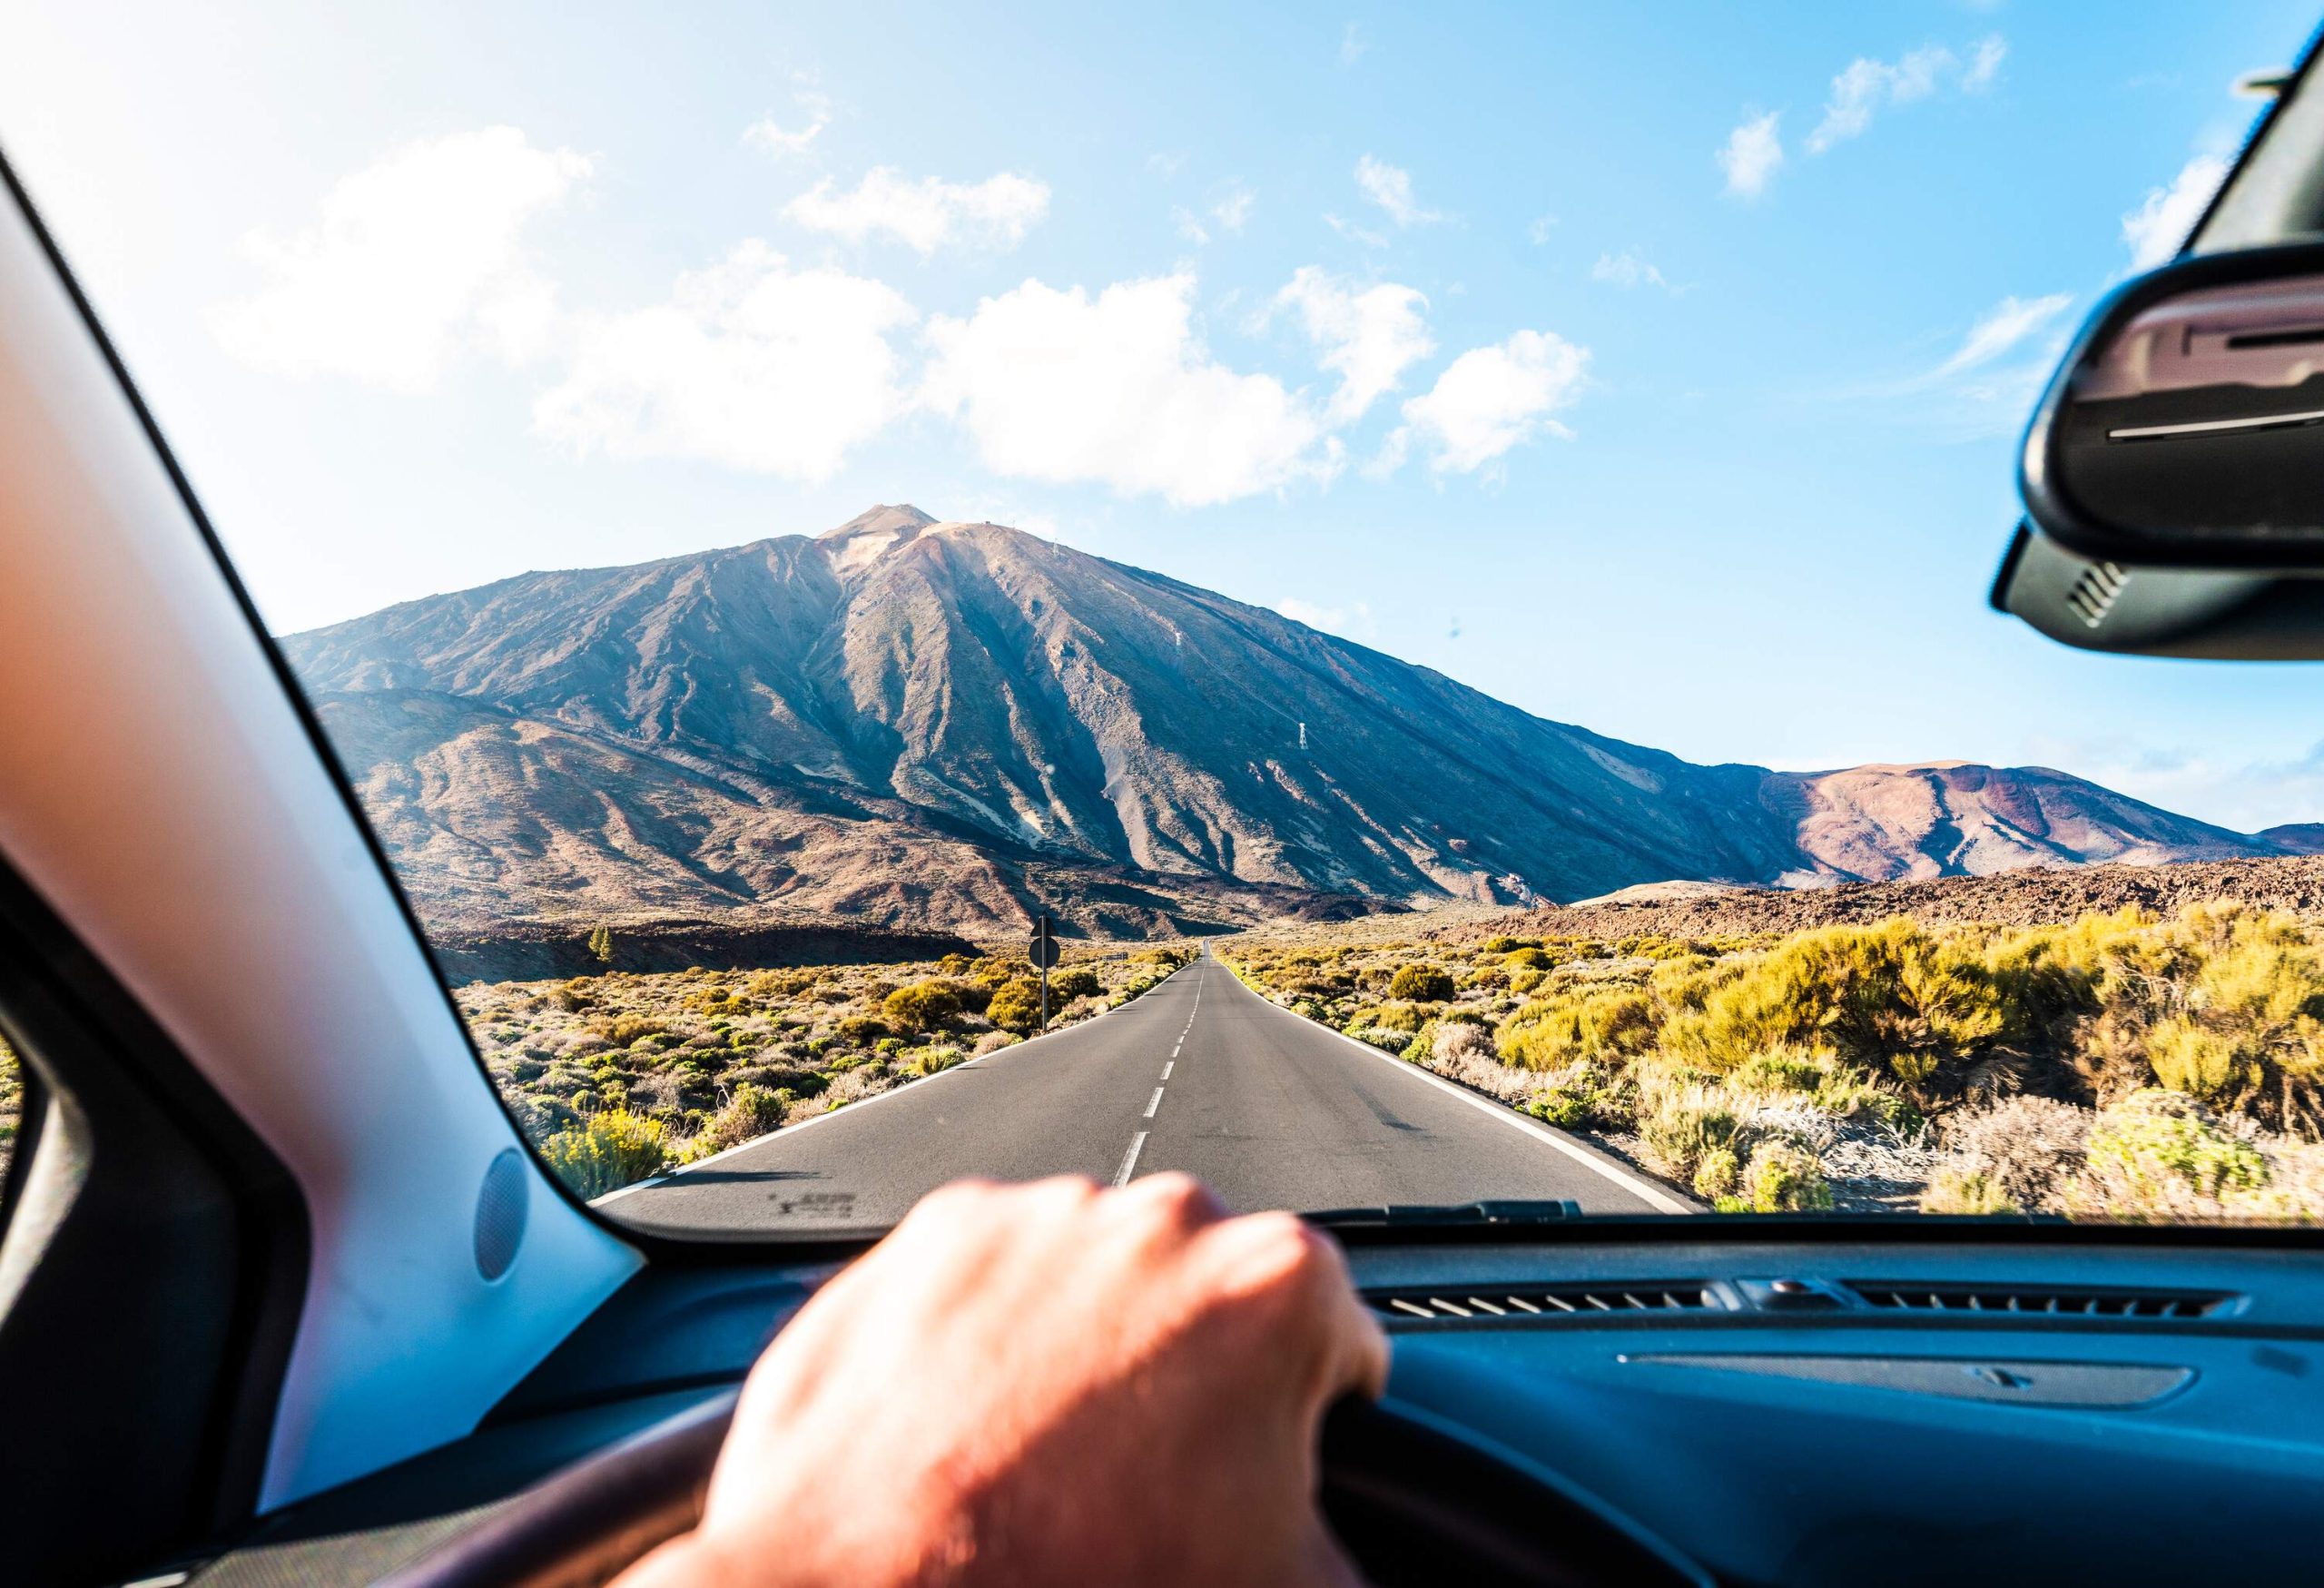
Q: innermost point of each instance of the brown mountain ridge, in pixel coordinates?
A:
(950, 726)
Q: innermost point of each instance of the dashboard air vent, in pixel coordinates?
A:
(1483, 1303)
(1918, 1296)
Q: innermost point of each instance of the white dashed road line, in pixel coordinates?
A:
(1130, 1160)
(1154, 1103)
(1166, 1069)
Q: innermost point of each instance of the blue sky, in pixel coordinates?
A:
(1653, 369)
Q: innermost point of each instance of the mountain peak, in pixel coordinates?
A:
(880, 519)
(871, 534)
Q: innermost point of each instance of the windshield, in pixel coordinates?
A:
(1385, 611)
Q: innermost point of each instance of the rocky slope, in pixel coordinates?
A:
(952, 725)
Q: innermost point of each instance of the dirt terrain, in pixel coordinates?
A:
(2019, 897)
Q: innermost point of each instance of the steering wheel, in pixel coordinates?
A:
(1415, 1500)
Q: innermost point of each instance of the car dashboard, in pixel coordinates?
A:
(1779, 1410)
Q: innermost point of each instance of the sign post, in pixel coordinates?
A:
(1043, 952)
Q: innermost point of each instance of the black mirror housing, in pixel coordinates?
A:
(2185, 425)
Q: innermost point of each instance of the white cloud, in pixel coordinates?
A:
(2001, 328)
(1866, 86)
(410, 260)
(779, 141)
(1229, 214)
(1354, 622)
(1491, 399)
(1355, 233)
(1537, 231)
(1352, 43)
(1986, 57)
(1055, 385)
(1752, 153)
(928, 214)
(1626, 269)
(2163, 220)
(750, 364)
(1368, 337)
(1391, 188)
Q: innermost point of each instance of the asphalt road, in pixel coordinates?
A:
(1201, 1074)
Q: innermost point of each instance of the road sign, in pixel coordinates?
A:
(1043, 952)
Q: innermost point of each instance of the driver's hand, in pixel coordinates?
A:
(1045, 1384)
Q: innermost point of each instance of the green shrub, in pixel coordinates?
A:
(1421, 983)
(860, 1031)
(923, 1006)
(930, 1059)
(1924, 1009)
(1015, 1006)
(751, 1112)
(1529, 958)
(1718, 1174)
(615, 1148)
(1550, 1034)
(2163, 1155)
(1392, 1016)
(1559, 1106)
(1783, 1178)
(1684, 1127)
(1065, 986)
(1958, 1190)
(626, 1030)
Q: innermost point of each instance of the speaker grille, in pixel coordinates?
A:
(500, 1207)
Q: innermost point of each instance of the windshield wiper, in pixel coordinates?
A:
(1444, 1215)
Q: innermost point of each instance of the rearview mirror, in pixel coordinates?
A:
(2185, 427)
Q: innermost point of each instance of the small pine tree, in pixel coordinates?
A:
(601, 946)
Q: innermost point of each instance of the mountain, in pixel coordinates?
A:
(1952, 818)
(954, 726)
(2297, 837)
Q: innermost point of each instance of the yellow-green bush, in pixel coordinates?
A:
(1065, 986)
(1718, 1174)
(1015, 1006)
(1951, 1190)
(922, 1006)
(1421, 983)
(612, 1149)
(1683, 1126)
(2159, 1155)
(1785, 1177)
(750, 1113)
(1547, 1034)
